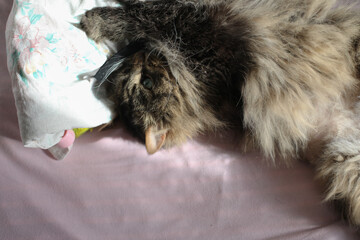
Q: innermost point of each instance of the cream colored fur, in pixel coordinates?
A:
(305, 90)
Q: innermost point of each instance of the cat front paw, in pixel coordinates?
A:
(91, 23)
(340, 172)
(104, 23)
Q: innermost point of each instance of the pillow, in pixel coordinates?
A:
(48, 58)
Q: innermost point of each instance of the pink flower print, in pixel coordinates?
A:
(74, 57)
(32, 54)
(30, 45)
(37, 43)
(20, 33)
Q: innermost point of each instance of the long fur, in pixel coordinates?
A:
(285, 72)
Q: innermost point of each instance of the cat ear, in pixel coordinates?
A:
(154, 140)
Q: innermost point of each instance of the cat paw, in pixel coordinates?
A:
(91, 23)
(340, 174)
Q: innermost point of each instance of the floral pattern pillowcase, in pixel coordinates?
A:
(48, 57)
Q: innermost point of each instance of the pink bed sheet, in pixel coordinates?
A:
(109, 188)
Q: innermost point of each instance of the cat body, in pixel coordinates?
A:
(284, 72)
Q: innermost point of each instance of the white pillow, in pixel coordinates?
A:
(47, 56)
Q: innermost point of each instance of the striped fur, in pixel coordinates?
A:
(284, 72)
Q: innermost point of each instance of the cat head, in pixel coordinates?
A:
(160, 99)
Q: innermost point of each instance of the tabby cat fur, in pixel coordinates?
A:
(285, 72)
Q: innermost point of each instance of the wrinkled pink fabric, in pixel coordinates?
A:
(109, 188)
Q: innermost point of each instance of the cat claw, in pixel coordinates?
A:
(339, 158)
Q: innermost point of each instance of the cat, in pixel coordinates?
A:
(284, 72)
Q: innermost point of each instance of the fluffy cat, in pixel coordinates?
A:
(284, 72)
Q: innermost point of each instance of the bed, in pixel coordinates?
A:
(108, 187)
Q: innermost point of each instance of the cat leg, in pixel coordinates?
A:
(104, 23)
(161, 21)
(339, 169)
